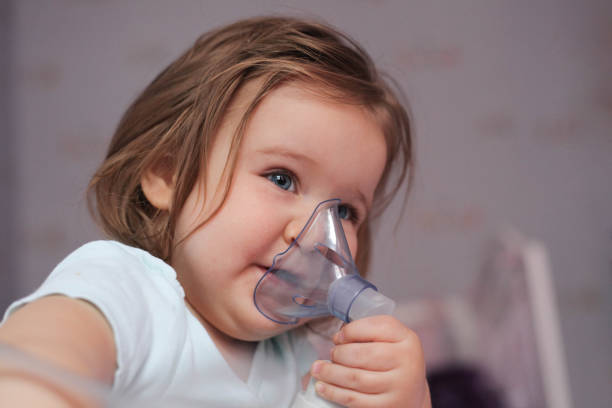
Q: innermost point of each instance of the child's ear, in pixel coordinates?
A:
(157, 183)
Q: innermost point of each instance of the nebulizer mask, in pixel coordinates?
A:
(316, 277)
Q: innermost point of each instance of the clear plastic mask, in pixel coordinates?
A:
(316, 276)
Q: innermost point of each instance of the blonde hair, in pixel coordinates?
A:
(175, 119)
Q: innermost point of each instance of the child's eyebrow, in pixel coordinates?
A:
(283, 152)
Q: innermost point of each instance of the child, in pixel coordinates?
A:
(213, 170)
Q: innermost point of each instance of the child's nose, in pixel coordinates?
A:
(300, 215)
(298, 219)
(292, 229)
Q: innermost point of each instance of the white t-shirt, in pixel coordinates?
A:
(162, 349)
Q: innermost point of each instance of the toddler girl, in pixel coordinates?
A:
(214, 170)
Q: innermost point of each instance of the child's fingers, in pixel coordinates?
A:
(374, 328)
(370, 382)
(350, 398)
(367, 356)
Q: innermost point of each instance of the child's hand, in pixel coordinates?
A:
(377, 362)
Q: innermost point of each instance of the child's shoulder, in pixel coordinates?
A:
(140, 299)
(114, 250)
(113, 258)
(109, 273)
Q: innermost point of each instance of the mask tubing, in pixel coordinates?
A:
(343, 292)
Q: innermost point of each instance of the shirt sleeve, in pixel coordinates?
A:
(137, 294)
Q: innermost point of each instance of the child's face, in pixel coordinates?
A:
(298, 150)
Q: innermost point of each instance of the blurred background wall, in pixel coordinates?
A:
(512, 104)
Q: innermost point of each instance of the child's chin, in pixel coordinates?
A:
(269, 329)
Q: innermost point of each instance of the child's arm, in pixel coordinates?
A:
(69, 333)
(377, 362)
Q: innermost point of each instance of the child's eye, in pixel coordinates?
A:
(348, 212)
(282, 179)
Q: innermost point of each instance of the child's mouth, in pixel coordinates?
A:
(262, 270)
(279, 276)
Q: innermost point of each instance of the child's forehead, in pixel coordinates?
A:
(298, 118)
(292, 119)
(296, 89)
(294, 93)
(294, 108)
